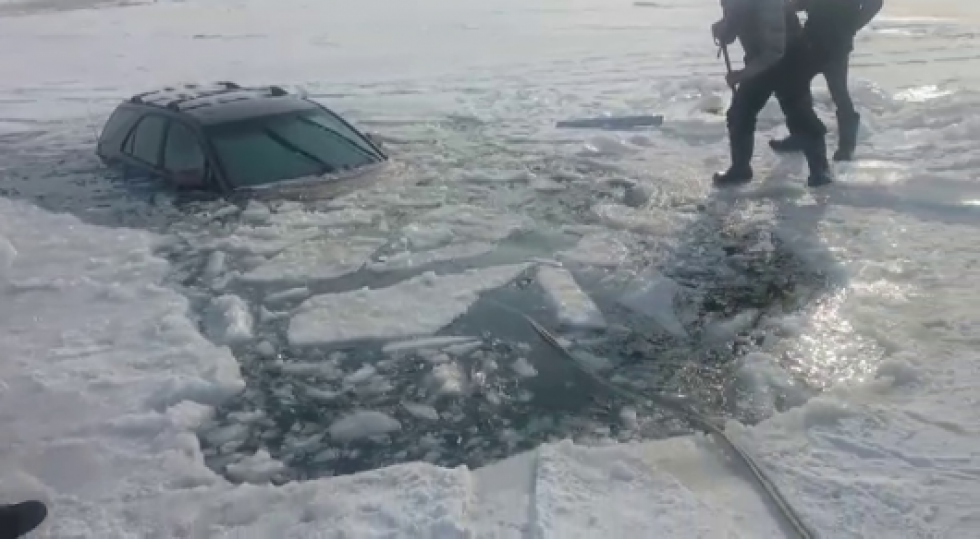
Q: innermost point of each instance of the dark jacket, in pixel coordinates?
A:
(765, 29)
(832, 24)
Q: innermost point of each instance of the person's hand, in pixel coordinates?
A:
(733, 78)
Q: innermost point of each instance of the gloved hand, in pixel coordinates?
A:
(722, 33)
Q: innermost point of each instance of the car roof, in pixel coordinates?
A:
(223, 102)
(233, 111)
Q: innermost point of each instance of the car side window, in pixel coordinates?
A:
(117, 126)
(145, 141)
(183, 156)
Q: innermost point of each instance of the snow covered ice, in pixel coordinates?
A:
(202, 369)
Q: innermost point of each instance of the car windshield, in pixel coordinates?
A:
(262, 151)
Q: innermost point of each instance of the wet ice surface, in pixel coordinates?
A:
(503, 215)
(327, 328)
(384, 327)
(311, 296)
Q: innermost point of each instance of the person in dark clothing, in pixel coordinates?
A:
(830, 29)
(775, 63)
(19, 519)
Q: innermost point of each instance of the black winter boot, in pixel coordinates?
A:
(786, 145)
(19, 519)
(741, 147)
(816, 159)
(733, 176)
(847, 138)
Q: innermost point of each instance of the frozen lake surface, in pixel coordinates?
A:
(160, 354)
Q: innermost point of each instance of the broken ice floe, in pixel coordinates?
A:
(572, 306)
(652, 294)
(419, 306)
(363, 424)
(321, 259)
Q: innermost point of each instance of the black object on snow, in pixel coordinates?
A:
(19, 519)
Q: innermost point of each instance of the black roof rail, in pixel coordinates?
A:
(140, 98)
(277, 91)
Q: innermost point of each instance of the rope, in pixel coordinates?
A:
(705, 423)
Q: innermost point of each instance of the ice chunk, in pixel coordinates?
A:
(601, 250)
(298, 218)
(189, 415)
(628, 416)
(467, 221)
(426, 343)
(523, 368)
(421, 411)
(266, 350)
(711, 104)
(229, 433)
(321, 259)
(573, 307)
(419, 306)
(256, 213)
(360, 376)
(215, 265)
(363, 424)
(257, 469)
(652, 294)
(322, 369)
(227, 320)
(463, 349)
(448, 379)
(410, 260)
(286, 296)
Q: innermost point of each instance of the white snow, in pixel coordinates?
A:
(416, 307)
(105, 378)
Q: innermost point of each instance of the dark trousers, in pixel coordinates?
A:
(834, 68)
(835, 73)
(790, 81)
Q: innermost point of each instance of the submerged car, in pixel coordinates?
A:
(226, 138)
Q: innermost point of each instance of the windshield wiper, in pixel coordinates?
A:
(282, 141)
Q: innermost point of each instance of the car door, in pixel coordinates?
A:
(185, 162)
(143, 148)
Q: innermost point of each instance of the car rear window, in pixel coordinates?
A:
(263, 151)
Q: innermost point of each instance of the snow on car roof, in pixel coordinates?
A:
(222, 102)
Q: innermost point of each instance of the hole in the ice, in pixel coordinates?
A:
(328, 411)
(490, 388)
